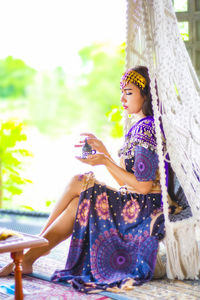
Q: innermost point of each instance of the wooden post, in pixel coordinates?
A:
(18, 257)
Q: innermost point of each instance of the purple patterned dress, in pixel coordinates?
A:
(116, 233)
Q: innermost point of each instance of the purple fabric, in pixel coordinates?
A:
(105, 251)
(143, 132)
(111, 239)
(145, 164)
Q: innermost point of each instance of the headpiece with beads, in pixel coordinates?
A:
(132, 76)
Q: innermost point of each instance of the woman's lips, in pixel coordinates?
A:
(125, 107)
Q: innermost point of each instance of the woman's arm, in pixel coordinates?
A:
(141, 187)
(114, 174)
(98, 145)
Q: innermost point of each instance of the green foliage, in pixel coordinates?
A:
(52, 104)
(15, 76)
(115, 118)
(27, 207)
(11, 160)
(185, 36)
(99, 90)
(184, 30)
(57, 102)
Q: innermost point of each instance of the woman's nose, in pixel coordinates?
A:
(123, 98)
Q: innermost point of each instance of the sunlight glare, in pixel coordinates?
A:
(49, 33)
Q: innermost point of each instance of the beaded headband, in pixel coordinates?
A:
(132, 76)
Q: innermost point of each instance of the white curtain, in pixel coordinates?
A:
(154, 40)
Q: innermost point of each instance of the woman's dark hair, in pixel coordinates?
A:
(175, 190)
(147, 105)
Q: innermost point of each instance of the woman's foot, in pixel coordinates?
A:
(8, 269)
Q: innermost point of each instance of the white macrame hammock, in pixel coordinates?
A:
(154, 40)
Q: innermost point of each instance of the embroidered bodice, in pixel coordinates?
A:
(138, 153)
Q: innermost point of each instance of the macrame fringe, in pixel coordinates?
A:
(182, 251)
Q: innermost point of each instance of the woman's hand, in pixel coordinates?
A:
(94, 160)
(94, 142)
(100, 158)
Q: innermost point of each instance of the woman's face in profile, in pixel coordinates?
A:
(131, 99)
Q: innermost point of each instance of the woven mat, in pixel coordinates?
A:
(46, 265)
(38, 289)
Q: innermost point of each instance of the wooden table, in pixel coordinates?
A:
(16, 246)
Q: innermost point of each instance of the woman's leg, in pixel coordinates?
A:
(72, 191)
(58, 231)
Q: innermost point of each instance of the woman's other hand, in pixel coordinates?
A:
(94, 142)
(94, 160)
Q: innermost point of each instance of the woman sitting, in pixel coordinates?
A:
(115, 233)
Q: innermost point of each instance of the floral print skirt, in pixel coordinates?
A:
(115, 239)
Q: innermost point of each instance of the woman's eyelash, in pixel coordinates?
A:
(128, 93)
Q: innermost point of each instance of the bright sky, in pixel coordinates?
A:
(48, 33)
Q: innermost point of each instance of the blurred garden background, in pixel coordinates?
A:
(60, 67)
